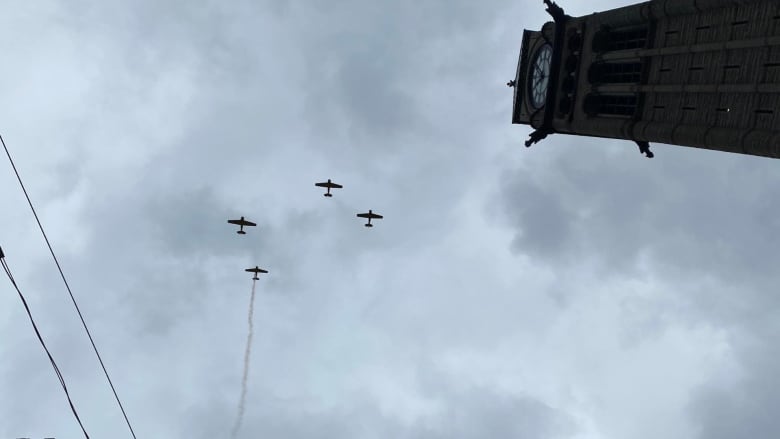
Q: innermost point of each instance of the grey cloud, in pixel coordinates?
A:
(688, 215)
(701, 223)
(475, 413)
(479, 415)
(545, 220)
(744, 407)
(366, 76)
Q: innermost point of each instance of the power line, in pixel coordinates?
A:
(72, 298)
(40, 338)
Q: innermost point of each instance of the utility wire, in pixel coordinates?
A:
(72, 298)
(40, 338)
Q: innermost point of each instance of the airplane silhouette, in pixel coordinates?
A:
(257, 270)
(370, 215)
(242, 222)
(330, 185)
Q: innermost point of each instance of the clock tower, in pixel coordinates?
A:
(697, 73)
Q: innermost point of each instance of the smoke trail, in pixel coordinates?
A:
(247, 353)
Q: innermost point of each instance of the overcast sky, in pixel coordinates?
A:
(573, 290)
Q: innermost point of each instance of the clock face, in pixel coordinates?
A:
(540, 74)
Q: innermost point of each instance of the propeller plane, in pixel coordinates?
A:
(243, 223)
(370, 215)
(330, 185)
(257, 270)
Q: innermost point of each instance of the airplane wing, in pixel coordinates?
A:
(363, 215)
(330, 185)
(376, 215)
(369, 215)
(239, 222)
(256, 270)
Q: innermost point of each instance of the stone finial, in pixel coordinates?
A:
(555, 10)
(644, 148)
(536, 136)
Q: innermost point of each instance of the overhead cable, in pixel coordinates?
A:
(40, 339)
(65, 281)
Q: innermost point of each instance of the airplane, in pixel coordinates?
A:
(257, 270)
(370, 215)
(242, 222)
(330, 185)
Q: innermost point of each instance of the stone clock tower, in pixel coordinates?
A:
(698, 73)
